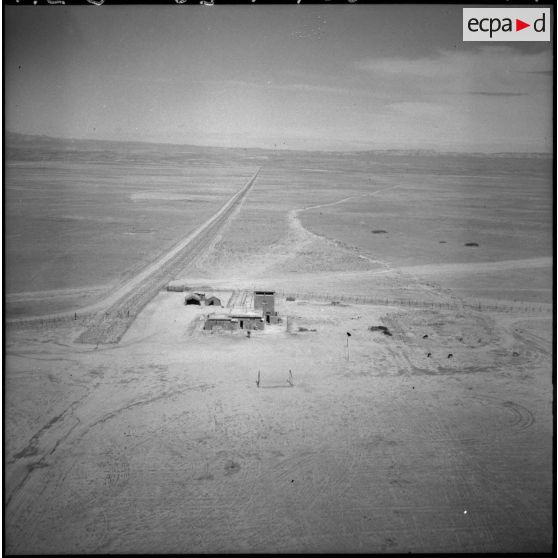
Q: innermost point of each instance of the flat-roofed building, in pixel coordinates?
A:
(220, 321)
(248, 319)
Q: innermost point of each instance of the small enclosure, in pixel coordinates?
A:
(192, 299)
(213, 301)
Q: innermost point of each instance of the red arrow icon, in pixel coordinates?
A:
(519, 25)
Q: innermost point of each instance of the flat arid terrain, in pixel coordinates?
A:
(404, 401)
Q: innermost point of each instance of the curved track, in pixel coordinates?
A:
(521, 418)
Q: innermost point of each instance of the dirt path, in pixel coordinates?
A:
(297, 240)
(477, 267)
(296, 224)
(125, 301)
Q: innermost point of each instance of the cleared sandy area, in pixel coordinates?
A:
(164, 443)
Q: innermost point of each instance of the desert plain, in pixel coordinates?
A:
(154, 437)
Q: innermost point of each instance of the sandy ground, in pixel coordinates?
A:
(164, 443)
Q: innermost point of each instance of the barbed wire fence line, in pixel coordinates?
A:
(116, 319)
(441, 305)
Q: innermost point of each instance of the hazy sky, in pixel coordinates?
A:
(299, 77)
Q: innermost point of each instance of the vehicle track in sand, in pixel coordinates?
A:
(521, 417)
(39, 467)
(300, 236)
(297, 239)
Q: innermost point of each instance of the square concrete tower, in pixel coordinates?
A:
(264, 300)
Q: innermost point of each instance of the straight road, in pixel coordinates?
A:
(117, 311)
(125, 303)
(196, 239)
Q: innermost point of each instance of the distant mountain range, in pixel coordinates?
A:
(14, 140)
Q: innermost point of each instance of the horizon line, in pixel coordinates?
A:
(307, 150)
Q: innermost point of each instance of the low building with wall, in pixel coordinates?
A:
(220, 322)
(248, 320)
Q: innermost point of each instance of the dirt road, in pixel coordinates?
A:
(120, 308)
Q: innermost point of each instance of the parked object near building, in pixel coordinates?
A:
(177, 286)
